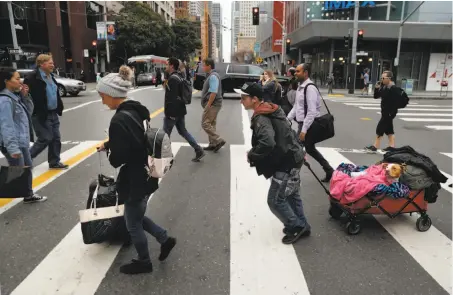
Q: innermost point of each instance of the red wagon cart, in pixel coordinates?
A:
(379, 205)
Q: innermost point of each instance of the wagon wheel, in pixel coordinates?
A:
(353, 228)
(335, 212)
(423, 223)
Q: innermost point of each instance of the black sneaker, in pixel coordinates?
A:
(58, 166)
(166, 248)
(34, 199)
(294, 235)
(371, 148)
(219, 146)
(198, 156)
(209, 148)
(136, 267)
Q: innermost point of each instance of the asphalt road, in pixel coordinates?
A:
(228, 241)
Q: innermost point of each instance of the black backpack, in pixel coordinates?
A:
(186, 89)
(403, 99)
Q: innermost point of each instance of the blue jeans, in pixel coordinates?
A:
(284, 199)
(137, 223)
(180, 124)
(48, 133)
(25, 160)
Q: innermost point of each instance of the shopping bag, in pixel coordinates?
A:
(100, 224)
(14, 181)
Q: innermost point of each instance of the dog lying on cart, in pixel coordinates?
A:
(397, 195)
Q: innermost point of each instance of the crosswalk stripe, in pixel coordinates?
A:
(409, 109)
(440, 127)
(448, 154)
(44, 176)
(445, 185)
(72, 267)
(426, 120)
(422, 115)
(431, 249)
(378, 104)
(253, 269)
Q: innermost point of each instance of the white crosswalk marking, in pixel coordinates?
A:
(440, 127)
(409, 109)
(422, 115)
(378, 104)
(426, 120)
(420, 245)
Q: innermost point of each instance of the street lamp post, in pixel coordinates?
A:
(282, 26)
(13, 31)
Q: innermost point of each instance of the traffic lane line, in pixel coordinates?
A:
(84, 267)
(431, 249)
(409, 109)
(72, 157)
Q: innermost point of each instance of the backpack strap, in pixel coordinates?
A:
(305, 99)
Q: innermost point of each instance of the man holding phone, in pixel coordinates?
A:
(389, 94)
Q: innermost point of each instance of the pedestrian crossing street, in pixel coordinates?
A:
(258, 262)
(434, 116)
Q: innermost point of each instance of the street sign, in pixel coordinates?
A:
(259, 60)
(362, 53)
(86, 53)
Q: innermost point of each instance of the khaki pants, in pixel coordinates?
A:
(209, 122)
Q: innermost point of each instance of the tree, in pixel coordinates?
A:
(142, 31)
(187, 38)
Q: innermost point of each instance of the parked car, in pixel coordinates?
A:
(65, 85)
(234, 76)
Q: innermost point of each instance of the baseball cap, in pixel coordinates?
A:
(250, 89)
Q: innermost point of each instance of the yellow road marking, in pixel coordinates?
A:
(40, 179)
(365, 119)
(335, 95)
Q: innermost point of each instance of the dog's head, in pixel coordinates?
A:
(394, 170)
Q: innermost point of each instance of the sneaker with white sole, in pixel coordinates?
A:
(34, 199)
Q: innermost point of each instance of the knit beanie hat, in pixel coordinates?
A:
(116, 85)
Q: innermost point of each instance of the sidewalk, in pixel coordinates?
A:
(435, 95)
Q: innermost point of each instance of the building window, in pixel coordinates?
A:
(93, 13)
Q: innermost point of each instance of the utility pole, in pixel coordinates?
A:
(400, 34)
(283, 25)
(107, 45)
(353, 64)
(13, 31)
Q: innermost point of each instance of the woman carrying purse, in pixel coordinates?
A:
(16, 130)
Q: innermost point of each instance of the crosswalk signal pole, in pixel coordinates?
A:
(353, 64)
(13, 31)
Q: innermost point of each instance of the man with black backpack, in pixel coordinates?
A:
(392, 99)
(276, 153)
(178, 93)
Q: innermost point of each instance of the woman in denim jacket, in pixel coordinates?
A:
(16, 130)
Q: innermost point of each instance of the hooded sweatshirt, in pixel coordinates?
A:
(274, 142)
(127, 147)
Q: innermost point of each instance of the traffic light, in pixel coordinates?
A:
(256, 16)
(288, 46)
(360, 39)
(347, 41)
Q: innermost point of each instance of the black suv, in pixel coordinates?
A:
(234, 76)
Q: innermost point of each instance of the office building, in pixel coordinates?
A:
(182, 9)
(217, 21)
(165, 8)
(242, 21)
(317, 30)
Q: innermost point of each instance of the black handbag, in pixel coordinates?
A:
(322, 127)
(14, 181)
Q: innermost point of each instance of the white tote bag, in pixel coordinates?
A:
(95, 213)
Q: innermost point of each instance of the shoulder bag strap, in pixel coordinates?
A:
(305, 100)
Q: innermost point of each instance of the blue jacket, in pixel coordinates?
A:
(15, 121)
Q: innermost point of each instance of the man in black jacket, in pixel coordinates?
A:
(127, 149)
(389, 95)
(175, 108)
(276, 153)
(47, 107)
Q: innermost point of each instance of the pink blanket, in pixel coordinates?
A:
(347, 189)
